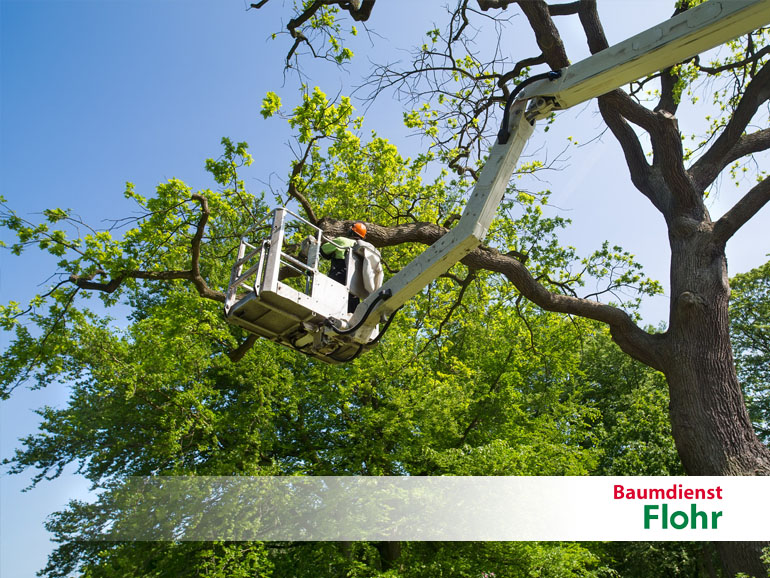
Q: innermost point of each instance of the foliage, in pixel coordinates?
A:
(469, 380)
(749, 315)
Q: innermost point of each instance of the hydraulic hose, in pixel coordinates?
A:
(381, 296)
(367, 345)
(504, 132)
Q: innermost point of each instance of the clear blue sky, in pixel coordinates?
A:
(97, 93)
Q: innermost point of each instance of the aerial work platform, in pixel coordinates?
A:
(288, 298)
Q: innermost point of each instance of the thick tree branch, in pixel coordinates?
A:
(631, 339)
(564, 9)
(668, 157)
(706, 169)
(237, 354)
(640, 171)
(634, 341)
(742, 211)
(631, 110)
(495, 4)
(617, 107)
(546, 33)
(748, 144)
(592, 26)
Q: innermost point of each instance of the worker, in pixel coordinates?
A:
(367, 274)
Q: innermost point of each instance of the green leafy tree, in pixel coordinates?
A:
(458, 83)
(750, 324)
(462, 384)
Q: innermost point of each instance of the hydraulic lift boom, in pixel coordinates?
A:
(685, 35)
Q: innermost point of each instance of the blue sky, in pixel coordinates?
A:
(97, 93)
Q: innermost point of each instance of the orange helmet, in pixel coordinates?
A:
(359, 229)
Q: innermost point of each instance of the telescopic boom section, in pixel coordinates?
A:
(694, 31)
(685, 35)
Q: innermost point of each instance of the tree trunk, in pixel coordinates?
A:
(710, 423)
(743, 557)
(390, 552)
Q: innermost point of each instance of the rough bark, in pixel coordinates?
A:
(711, 427)
(742, 557)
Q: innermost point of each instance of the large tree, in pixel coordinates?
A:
(170, 372)
(711, 425)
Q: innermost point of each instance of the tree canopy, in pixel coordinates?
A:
(500, 367)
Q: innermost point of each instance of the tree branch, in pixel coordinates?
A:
(667, 100)
(237, 354)
(748, 206)
(296, 171)
(631, 339)
(193, 275)
(360, 10)
(668, 158)
(753, 59)
(495, 4)
(546, 33)
(592, 26)
(707, 168)
(639, 344)
(564, 9)
(640, 171)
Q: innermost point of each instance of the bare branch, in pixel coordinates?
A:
(706, 169)
(564, 9)
(296, 171)
(752, 59)
(462, 15)
(546, 33)
(742, 211)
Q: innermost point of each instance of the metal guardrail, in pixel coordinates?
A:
(247, 251)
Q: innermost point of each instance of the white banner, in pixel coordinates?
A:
(440, 508)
